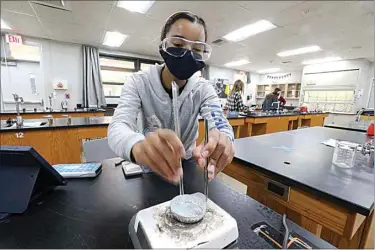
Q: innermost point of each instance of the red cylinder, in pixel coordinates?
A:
(370, 129)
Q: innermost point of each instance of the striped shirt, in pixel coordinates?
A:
(235, 103)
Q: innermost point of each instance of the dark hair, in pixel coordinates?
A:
(276, 90)
(182, 15)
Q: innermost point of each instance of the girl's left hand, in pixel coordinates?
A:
(219, 149)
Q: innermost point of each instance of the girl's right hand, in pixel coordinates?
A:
(161, 151)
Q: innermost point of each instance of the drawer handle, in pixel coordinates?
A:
(277, 189)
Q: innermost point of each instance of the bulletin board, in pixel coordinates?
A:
(221, 87)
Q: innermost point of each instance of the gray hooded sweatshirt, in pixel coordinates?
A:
(143, 92)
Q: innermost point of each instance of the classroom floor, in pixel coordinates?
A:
(233, 183)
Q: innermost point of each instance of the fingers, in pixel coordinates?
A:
(219, 150)
(156, 162)
(220, 147)
(173, 140)
(165, 152)
(213, 139)
(161, 151)
(198, 156)
(224, 159)
(211, 171)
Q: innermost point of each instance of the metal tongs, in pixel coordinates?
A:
(175, 91)
(207, 161)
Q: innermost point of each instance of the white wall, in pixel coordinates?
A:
(233, 75)
(63, 61)
(16, 79)
(364, 79)
(58, 61)
(370, 103)
(251, 88)
(296, 77)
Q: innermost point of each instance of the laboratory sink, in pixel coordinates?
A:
(25, 124)
(33, 124)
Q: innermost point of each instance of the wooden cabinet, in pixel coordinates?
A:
(333, 223)
(288, 90)
(252, 126)
(367, 118)
(312, 120)
(55, 145)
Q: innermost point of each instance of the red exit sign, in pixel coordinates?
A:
(13, 39)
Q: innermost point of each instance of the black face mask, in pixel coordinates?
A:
(182, 67)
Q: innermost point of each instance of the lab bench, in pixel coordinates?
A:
(40, 114)
(292, 173)
(360, 126)
(60, 142)
(95, 213)
(251, 125)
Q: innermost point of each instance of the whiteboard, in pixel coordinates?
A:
(331, 79)
(370, 102)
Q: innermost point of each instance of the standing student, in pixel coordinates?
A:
(271, 98)
(184, 49)
(234, 100)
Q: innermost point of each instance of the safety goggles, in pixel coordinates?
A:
(201, 51)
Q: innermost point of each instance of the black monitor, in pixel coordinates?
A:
(24, 174)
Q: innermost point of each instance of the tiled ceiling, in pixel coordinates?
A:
(340, 28)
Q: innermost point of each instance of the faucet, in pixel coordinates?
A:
(358, 117)
(368, 149)
(19, 100)
(50, 97)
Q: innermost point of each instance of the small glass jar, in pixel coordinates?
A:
(344, 154)
(50, 119)
(69, 119)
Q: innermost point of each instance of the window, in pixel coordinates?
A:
(115, 70)
(145, 66)
(114, 73)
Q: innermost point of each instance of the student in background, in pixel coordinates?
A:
(234, 100)
(282, 100)
(271, 98)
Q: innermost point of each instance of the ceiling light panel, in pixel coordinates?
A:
(136, 6)
(4, 25)
(114, 39)
(237, 63)
(249, 30)
(268, 71)
(299, 51)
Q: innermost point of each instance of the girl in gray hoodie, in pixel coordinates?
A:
(184, 50)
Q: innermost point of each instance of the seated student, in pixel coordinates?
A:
(184, 49)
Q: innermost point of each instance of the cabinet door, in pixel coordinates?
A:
(40, 140)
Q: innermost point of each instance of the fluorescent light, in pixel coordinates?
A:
(114, 39)
(136, 6)
(322, 60)
(4, 25)
(270, 70)
(249, 30)
(237, 63)
(299, 51)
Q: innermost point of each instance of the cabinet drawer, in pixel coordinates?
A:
(325, 214)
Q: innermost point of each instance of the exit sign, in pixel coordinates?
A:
(13, 39)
